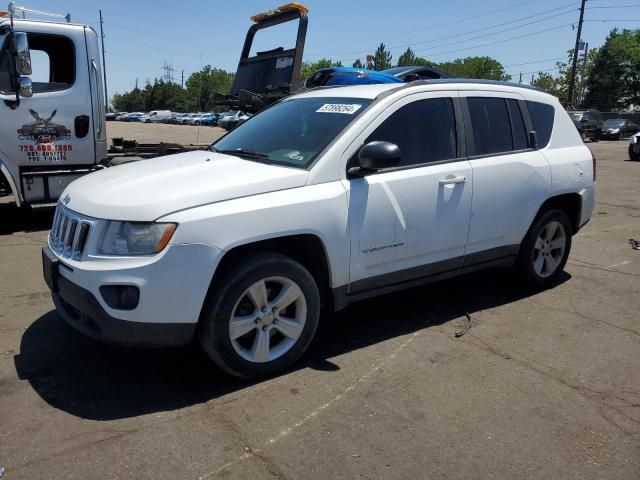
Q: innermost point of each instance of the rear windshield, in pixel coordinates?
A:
(292, 133)
(614, 123)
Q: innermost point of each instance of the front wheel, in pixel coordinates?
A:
(261, 316)
(633, 155)
(545, 249)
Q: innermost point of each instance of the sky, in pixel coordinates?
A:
(525, 36)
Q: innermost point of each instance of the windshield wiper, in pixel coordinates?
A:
(239, 152)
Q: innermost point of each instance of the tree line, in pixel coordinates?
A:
(608, 78)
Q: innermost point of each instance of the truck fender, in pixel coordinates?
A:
(14, 189)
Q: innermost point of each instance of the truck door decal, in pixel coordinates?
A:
(45, 139)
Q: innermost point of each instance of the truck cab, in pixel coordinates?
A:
(51, 104)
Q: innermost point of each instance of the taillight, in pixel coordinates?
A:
(593, 159)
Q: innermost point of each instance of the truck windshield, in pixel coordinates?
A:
(292, 133)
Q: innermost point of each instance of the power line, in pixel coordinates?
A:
(474, 31)
(534, 62)
(439, 25)
(499, 41)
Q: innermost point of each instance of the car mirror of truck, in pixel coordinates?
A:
(23, 54)
(25, 87)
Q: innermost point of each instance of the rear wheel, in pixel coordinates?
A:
(633, 155)
(261, 316)
(545, 249)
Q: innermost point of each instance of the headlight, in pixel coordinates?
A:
(136, 238)
(614, 130)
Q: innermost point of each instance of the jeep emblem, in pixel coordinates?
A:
(66, 199)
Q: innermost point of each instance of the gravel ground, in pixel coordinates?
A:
(160, 132)
(543, 386)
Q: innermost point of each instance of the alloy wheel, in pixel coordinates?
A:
(267, 319)
(549, 248)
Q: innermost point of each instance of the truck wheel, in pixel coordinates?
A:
(545, 250)
(260, 316)
(633, 155)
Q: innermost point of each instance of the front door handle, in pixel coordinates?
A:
(452, 180)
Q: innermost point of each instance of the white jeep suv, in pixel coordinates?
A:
(325, 198)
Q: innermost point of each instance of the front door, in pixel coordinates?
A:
(53, 129)
(411, 221)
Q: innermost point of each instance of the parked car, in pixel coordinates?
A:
(111, 116)
(323, 199)
(618, 128)
(196, 119)
(132, 117)
(156, 116)
(121, 115)
(209, 119)
(589, 123)
(334, 76)
(634, 147)
(232, 120)
(186, 118)
(411, 73)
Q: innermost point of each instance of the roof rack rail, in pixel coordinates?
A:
(15, 9)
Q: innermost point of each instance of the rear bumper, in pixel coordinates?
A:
(82, 311)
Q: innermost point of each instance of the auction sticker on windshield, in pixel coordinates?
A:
(349, 109)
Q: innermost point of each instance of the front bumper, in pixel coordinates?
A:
(172, 286)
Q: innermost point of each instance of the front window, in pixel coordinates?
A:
(292, 133)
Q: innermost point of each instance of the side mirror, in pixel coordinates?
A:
(25, 87)
(378, 155)
(23, 55)
(533, 140)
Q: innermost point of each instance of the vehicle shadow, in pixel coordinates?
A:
(14, 219)
(102, 382)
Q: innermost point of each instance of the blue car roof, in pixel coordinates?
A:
(350, 76)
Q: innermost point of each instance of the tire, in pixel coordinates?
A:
(235, 295)
(633, 155)
(549, 230)
(596, 137)
(620, 136)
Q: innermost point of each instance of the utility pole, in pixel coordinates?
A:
(182, 82)
(104, 67)
(520, 78)
(574, 64)
(584, 72)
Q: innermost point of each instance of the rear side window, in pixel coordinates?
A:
(542, 115)
(520, 141)
(425, 131)
(490, 125)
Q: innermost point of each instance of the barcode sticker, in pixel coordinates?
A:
(348, 109)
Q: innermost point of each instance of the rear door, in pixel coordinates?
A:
(510, 179)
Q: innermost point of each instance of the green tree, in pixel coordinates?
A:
(309, 69)
(407, 58)
(201, 85)
(614, 82)
(475, 67)
(548, 83)
(357, 64)
(382, 58)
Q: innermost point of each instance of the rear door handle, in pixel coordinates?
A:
(452, 180)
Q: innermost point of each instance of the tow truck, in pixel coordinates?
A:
(53, 127)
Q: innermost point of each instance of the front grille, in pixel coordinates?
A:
(69, 233)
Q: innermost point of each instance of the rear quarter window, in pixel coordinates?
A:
(542, 116)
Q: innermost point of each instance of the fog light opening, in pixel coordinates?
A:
(121, 297)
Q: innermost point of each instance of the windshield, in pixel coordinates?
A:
(293, 132)
(614, 123)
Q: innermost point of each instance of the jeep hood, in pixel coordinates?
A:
(149, 189)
